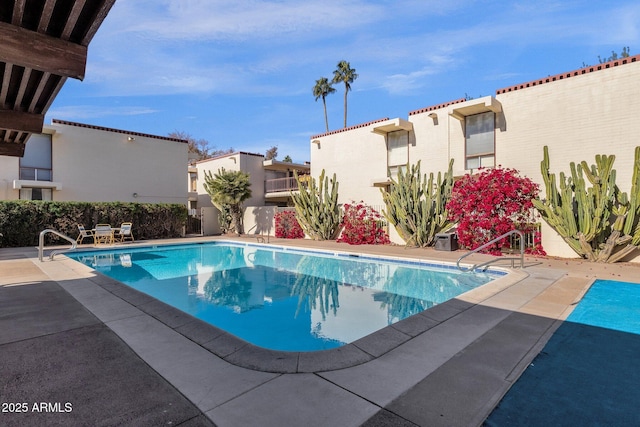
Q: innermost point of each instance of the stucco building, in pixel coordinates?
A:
(77, 162)
(271, 184)
(578, 114)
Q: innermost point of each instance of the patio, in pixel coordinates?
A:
(121, 358)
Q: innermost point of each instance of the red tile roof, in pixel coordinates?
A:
(126, 132)
(349, 128)
(436, 107)
(578, 72)
(581, 71)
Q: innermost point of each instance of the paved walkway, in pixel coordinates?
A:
(80, 349)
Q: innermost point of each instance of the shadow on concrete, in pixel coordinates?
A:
(585, 376)
(9, 255)
(62, 366)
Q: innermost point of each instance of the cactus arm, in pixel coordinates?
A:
(317, 207)
(416, 204)
(596, 220)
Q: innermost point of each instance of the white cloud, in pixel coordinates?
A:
(200, 20)
(405, 83)
(89, 112)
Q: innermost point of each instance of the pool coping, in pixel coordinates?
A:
(243, 354)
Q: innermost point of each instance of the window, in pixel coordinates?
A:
(480, 140)
(193, 207)
(397, 151)
(193, 182)
(36, 194)
(35, 165)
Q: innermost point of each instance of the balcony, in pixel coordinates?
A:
(35, 178)
(280, 184)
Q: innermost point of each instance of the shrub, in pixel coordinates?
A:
(362, 225)
(21, 221)
(490, 204)
(287, 225)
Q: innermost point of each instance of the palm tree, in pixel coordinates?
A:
(229, 189)
(344, 73)
(321, 90)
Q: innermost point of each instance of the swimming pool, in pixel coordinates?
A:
(282, 298)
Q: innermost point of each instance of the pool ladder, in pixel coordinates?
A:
(58, 251)
(485, 264)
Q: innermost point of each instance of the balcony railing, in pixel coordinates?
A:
(283, 184)
(280, 184)
(35, 174)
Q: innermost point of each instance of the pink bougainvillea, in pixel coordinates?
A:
(362, 225)
(287, 225)
(491, 203)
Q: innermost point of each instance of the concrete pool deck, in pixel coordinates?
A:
(69, 335)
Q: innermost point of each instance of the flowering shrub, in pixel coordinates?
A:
(287, 225)
(490, 204)
(362, 225)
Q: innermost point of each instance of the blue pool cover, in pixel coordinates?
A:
(588, 374)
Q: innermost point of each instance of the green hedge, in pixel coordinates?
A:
(21, 221)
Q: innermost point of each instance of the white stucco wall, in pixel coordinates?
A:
(8, 172)
(357, 157)
(261, 219)
(577, 117)
(252, 164)
(433, 145)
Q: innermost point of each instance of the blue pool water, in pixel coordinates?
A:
(281, 299)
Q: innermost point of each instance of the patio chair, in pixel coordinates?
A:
(125, 232)
(103, 233)
(84, 234)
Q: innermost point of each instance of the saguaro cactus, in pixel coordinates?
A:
(317, 207)
(416, 206)
(600, 223)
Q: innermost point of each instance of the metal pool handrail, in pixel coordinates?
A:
(486, 245)
(57, 233)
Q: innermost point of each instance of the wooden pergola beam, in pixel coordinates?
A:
(21, 121)
(12, 149)
(41, 52)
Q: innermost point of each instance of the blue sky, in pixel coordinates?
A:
(239, 73)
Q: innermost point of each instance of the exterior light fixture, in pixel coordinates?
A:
(131, 138)
(135, 195)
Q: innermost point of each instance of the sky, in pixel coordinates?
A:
(240, 73)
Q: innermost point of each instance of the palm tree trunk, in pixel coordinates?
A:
(236, 219)
(326, 120)
(345, 107)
